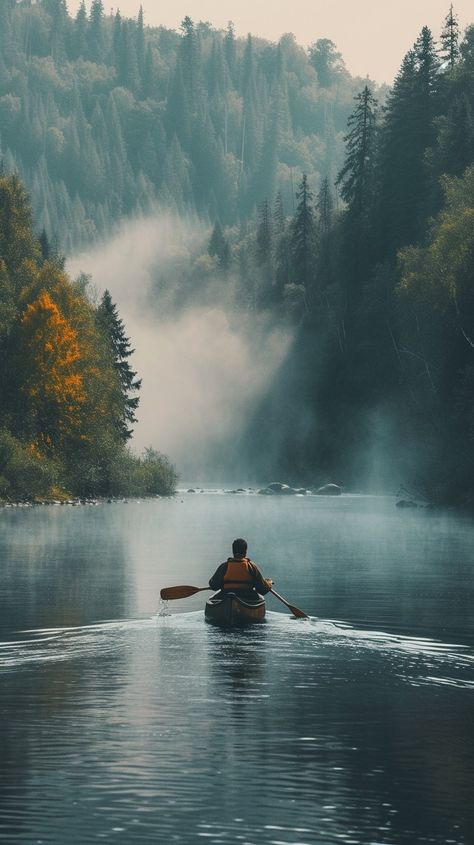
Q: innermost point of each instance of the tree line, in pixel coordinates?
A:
(383, 287)
(68, 391)
(102, 116)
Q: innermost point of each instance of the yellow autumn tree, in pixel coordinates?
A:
(52, 383)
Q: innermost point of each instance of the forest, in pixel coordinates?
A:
(343, 210)
(68, 392)
(103, 116)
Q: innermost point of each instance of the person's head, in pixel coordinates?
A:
(239, 547)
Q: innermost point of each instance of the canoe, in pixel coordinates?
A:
(231, 610)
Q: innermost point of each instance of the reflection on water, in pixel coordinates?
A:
(159, 728)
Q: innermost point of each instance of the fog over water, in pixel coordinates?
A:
(204, 366)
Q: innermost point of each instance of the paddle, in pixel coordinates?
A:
(300, 614)
(168, 593)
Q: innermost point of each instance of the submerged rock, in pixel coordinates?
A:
(328, 490)
(406, 503)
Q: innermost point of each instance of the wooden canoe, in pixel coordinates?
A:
(230, 610)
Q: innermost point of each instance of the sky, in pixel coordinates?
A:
(372, 35)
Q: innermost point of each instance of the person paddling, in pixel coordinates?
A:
(238, 574)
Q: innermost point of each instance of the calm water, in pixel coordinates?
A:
(121, 725)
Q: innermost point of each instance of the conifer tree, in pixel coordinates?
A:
(264, 234)
(302, 236)
(324, 206)
(230, 49)
(128, 63)
(408, 131)
(113, 331)
(140, 45)
(450, 38)
(217, 241)
(190, 60)
(356, 178)
(79, 39)
(117, 41)
(279, 216)
(96, 35)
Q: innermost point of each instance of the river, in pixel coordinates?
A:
(130, 722)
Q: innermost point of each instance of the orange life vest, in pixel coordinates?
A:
(238, 575)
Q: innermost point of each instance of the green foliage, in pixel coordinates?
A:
(24, 474)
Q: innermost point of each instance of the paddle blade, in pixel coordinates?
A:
(300, 614)
(183, 592)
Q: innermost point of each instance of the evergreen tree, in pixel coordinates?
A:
(454, 150)
(264, 235)
(190, 61)
(450, 39)
(117, 42)
(357, 177)
(113, 331)
(96, 35)
(303, 236)
(230, 49)
(407, 133)
(178, 113)
(140, 44)
(324, 207)
(279, 219)
(216, 244)
(128, 63)
(79, 37)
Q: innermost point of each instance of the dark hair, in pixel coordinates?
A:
(239, 547)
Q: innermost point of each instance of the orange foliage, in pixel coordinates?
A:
(53, 383)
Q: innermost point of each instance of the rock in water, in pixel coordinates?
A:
(328, 490)
(276, 488)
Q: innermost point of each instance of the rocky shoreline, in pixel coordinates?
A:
(79, 502)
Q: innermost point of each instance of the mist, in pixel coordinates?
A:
(205, 365)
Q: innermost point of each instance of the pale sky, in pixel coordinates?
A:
(372, 35)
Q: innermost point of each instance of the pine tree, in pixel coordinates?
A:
(190, 60)
(455, 143)
(450, 38)
(17, 241)
(96, 35)
(279, 219)
(79, 42)
(113, 330)
(140, 45)
(117, 41)
(357, 176)
(230, 49)
(408, 131)
(216, 244)
(324, 207)
(302, 236)
(128, 64)
(264, 235)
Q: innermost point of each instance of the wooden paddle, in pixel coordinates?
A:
(300, 614)
(168, 593)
